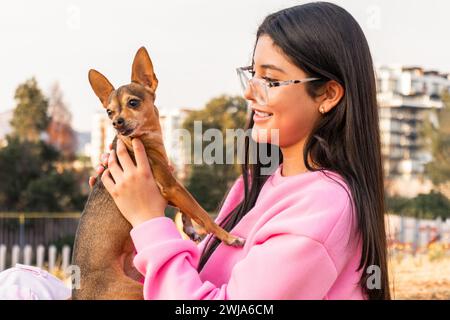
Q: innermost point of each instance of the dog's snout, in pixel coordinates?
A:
(118, 123)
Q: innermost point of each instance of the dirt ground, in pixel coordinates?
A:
(420, 278)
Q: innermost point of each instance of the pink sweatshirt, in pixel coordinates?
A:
(300, 244)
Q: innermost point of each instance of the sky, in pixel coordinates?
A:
(195, 45)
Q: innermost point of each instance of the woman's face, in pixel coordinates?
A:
(293, 111)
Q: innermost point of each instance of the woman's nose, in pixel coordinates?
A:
(248, 93)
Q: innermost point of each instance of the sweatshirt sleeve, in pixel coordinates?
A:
(169, 265)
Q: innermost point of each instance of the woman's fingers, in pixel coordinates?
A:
(139, 153)
(108, 182)
(92, 181)
(124, 157)
(114, 167)
(101, 167)
(99, 170)
(104, 159)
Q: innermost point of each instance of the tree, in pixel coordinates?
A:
(30, 117)
(31, 182)
(31, 176)
(53, 192)
(60, 132)
(423, 206)
(430, 206)
(209, 182)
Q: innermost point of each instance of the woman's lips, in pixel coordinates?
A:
(261, 116)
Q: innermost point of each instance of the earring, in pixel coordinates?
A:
(322, 109)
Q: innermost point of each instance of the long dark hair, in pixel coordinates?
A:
(325, 41)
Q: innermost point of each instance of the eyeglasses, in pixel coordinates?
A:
(260, 87)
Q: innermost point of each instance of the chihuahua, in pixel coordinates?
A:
(103, 247)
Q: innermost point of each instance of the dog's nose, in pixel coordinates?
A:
(118, 123)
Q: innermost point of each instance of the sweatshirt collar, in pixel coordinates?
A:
(278, 178)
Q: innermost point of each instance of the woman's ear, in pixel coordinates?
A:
(332, 95)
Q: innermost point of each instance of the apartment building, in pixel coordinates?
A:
(406, 97)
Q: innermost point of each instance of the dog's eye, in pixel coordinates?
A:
(133, 103)
(109, 112)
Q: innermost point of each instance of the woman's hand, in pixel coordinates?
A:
(100, 168)
(132, 186)
(104, 164)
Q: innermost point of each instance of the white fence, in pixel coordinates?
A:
(42, 257)
(417, 232)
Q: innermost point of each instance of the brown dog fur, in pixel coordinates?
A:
(103, 248)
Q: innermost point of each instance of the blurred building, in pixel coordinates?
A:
(406, 96)
(84, 143)
(171, 123)
(102, 135)
(177, 150)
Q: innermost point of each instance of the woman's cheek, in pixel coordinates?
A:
(292, 130)
(278, 131)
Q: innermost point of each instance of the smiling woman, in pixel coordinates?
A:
(327, 124)
(314, 228)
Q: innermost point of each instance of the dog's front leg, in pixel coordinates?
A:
(189, 228)
(178, 195)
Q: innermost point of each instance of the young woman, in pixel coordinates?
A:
(315, 226)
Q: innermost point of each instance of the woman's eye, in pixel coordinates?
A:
(270, 80)
(134, 103)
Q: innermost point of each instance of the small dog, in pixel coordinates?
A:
(103, 248)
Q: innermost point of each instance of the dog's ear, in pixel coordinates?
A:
(101, 86)
(142, 70)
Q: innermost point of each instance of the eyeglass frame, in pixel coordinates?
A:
(271, 84)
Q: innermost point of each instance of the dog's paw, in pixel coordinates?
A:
(237, 242)
(192, 234)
